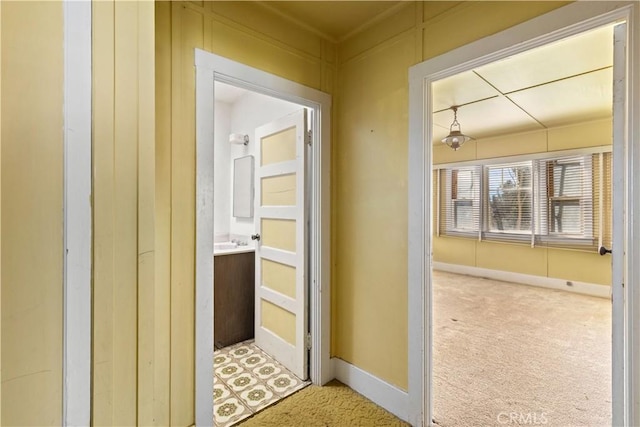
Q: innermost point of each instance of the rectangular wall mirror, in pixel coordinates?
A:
(243, 187)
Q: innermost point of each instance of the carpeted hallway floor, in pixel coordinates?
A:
(504, 350)
(334, 405)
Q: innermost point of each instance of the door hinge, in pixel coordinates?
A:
(309, 136)
(308, 339)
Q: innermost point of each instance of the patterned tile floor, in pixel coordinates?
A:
(247, 380)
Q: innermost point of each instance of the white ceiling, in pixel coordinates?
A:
(559, 84)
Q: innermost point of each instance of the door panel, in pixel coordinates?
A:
(279, 191)
(279, 277)
(278, 147)
(281, 288)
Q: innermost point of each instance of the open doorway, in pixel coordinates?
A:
(308, 342)
(558, 25)
(527, 201)
(260, 291)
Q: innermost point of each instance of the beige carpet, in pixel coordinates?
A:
(509, 354)
(334, 405)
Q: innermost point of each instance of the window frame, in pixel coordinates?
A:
(451, 202)
(537, 235)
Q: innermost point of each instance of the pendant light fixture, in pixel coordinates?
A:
(456, 138)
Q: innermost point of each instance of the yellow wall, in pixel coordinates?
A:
(243, 31)
(32, 167)
(370, 170)
(130, 326)
(567, 264)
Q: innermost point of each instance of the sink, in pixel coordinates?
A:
(225, 245)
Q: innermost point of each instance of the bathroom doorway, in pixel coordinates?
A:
(260, 242)
(265, 102)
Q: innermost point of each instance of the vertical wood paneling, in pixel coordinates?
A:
(125, 200)
(152, 339)
(188, 33)
(103, 212)
(124, 327)
(162, 343)
(0, 211)
(32, 222)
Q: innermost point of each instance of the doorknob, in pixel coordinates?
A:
(604, 250)
(255, 237)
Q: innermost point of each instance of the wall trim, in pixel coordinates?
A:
(373, 388)
(582, 288)
(76, 394)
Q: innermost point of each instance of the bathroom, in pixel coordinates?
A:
(237, 114)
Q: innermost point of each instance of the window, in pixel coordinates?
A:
(568, 203)
(509, 198)
(558, 201)
(463, 200)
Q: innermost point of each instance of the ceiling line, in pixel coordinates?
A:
(511, 100)
(468, 103)
(297, 22)
(377, 18)
(553, 81)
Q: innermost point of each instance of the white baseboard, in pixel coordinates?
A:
(583, 288)
(373, 388)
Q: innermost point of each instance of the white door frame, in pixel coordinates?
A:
(77, 249)
(209, 69)
(566, 21)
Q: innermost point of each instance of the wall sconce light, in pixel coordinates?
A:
(456, 138)
(238, 138)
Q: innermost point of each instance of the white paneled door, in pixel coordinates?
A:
(281, 241)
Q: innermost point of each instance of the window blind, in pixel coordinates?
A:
(462, 188)
(510, 198)
(556, 201)
(602, 199)
(565, 207)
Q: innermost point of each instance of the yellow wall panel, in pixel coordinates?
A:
(512, 145)
(0, 210)
(434, 10)
(231, 42)
(453, 250)
(279, 190)
(497, 16)
(279, 147)
(279, 277)
(162, 343)
(591, 134)
(279, 321)
(269, 26)
(370, 165)
(385, 30)
(443, 154)
(103, 212)
(587, 267)
(32, 205)
(126, 378)
(514, 258)
(125, 215)
(187, 34)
